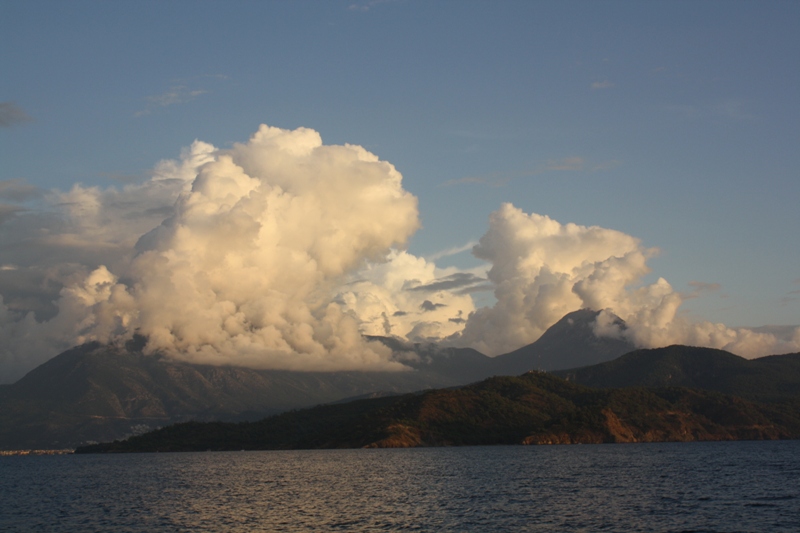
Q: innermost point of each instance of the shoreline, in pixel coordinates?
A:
(8, 453)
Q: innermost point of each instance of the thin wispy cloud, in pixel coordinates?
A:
(11, 114)
(568, 163)
(366, 6)
(177, 94)
(490, 180)
(732, 109)
(683, 111)
(122, 178)
(793, 296)
(704, 286)
(449, 252)
(17, 190)
(474, 134)
(606, 165)
(7, 212)
(701, 287)
(181, 91)
(457, 281)
(786, 300)
(215, 76)
(472, 289)
(605, 84)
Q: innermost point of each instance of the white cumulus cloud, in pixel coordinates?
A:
(243, 265)
(401, 297)
(283, 252)
(542, 269)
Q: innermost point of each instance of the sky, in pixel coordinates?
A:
(260, 183)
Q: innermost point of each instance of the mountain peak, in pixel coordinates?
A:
(569, 343)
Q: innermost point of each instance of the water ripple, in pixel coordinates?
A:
(714, 487)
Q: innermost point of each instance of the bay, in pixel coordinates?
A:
(719, 486)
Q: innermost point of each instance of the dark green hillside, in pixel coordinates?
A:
(534, 408)
(768, 379)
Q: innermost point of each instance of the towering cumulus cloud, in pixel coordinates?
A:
(245, 267)
(542, 269)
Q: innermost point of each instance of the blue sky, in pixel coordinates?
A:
(675, 122)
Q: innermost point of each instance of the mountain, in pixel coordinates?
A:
(460, 365)
(767, 379)
(535, 408)
(569, 343)
(98, 392)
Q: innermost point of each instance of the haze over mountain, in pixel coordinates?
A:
(102, 392)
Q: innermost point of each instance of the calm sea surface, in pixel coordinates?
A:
(730, 486)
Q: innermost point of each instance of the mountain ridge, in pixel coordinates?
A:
(535, 408)
(766, 379)
(98, 392)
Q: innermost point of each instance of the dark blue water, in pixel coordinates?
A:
(725, 487)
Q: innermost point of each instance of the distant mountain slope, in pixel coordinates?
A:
(535, 408)
(569, 343)
(460, 365)
(767, 379)
(96, 392)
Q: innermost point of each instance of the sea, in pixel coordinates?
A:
(664, 487)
